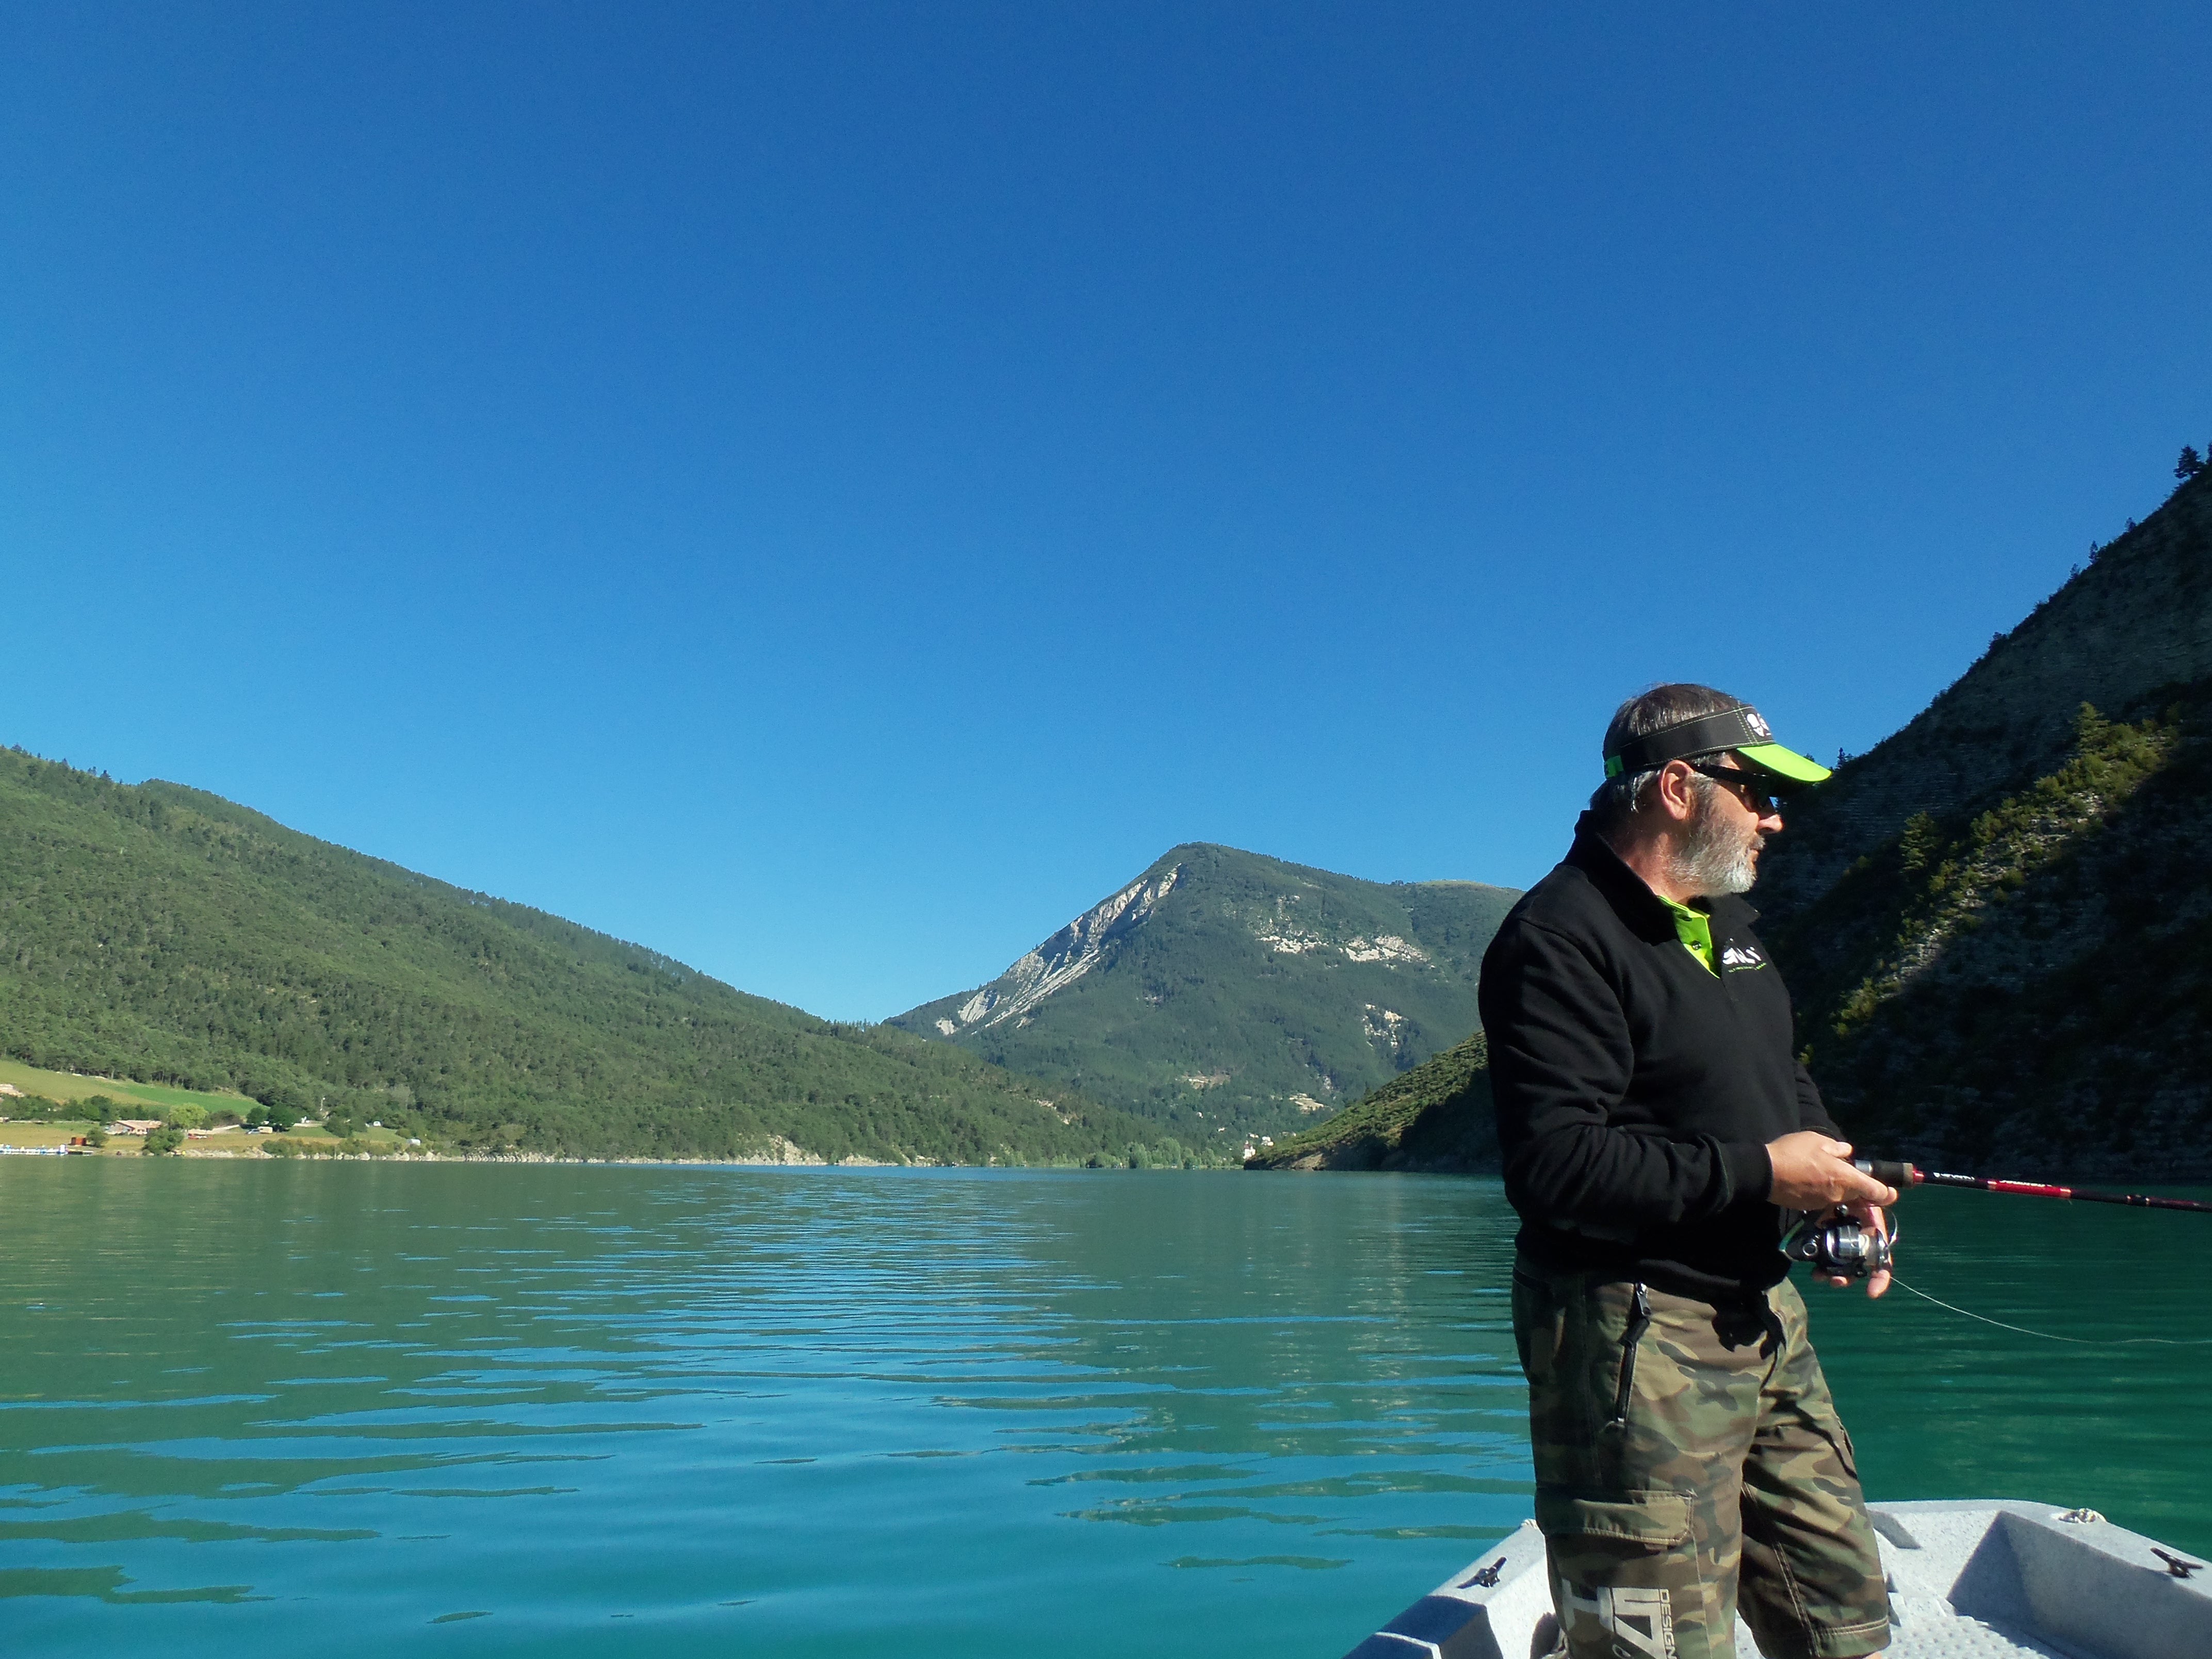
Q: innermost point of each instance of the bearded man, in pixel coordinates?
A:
(1656, 1126)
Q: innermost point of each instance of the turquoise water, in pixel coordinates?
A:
(336, 1408)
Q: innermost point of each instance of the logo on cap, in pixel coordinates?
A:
(1759, 728)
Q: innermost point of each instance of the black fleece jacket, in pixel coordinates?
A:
(1636, 1090)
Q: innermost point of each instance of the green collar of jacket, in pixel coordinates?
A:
(1695, 929)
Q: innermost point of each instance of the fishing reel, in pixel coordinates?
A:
(1839, 1245)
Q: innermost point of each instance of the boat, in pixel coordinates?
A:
(1977, 1578)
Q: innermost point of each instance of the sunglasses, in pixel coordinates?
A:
(1761, 796)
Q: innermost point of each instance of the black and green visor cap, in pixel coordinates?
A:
(1739, 729)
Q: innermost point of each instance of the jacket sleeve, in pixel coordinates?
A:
(1561, 1059)
(1811, 1110)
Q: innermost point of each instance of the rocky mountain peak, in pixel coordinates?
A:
(1065, 958)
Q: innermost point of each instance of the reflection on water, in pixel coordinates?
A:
(608, 1409)
(300, 1407)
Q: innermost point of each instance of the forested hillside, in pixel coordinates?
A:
(1437, 1118)
(2031, 985)
(1223, 994)
(159, 932)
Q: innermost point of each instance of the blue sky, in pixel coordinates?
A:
(830, 491)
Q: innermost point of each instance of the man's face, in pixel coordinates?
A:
(1718, 848)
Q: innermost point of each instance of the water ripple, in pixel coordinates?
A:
(834, 1405)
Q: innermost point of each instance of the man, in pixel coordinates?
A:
(1656, 1126)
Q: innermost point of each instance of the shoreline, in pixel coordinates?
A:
(226, 1156)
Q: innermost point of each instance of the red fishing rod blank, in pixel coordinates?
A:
(1902, 1175)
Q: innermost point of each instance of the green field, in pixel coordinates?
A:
(60, 1130)
(68, 1087)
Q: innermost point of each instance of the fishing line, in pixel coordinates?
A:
(2051, 1336)
(1841, 1246)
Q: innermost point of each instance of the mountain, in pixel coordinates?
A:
(159, 932)
(1223, 992)
(1997, 923)
(2125, 635)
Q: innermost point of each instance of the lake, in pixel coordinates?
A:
(366, 1407)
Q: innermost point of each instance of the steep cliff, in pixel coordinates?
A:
(2126, 633)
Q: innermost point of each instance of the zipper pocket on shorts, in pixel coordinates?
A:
(1638, 1322)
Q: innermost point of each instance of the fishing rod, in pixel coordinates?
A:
(1840, 1246)
(1901, 1175)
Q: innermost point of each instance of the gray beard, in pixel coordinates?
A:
(1712, 858)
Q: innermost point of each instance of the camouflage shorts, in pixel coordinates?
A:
(1679, 1449)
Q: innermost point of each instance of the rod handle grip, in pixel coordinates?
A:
(1888, 1172)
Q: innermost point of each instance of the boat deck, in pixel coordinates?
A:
(1981, 1579)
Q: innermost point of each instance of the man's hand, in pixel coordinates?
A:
(1869, 1215)
(1814, 1172)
